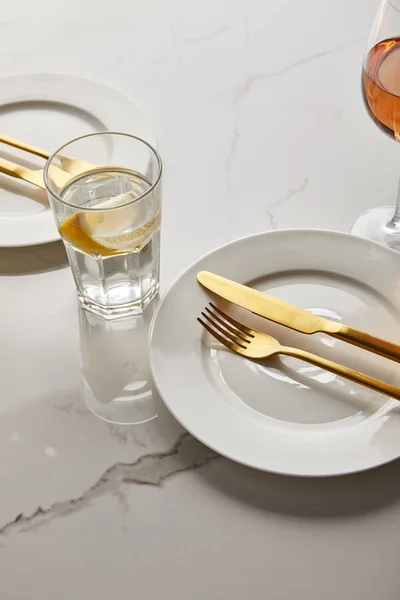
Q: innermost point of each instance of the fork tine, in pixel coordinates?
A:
(230, 336)
(242, 328)
(222, 340)
(229, 327)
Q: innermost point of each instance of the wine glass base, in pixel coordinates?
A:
(377, 224)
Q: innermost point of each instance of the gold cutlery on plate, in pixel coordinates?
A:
(292, 316)
(257, 345)
(33, 176)
(73, 166)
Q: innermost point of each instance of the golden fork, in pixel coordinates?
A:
(254, 344)
(34, 176)
(73, 166)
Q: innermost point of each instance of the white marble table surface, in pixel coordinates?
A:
(259, 115)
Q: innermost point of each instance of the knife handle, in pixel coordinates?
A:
(368, 342)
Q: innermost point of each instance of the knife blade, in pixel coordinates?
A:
(292, 316)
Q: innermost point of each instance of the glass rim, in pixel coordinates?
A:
(98, 133)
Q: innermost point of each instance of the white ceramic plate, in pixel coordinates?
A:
(284, 415)
(47, 110)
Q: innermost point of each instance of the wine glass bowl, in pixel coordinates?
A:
(381, 86)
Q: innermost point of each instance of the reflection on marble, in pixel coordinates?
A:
(116, 379)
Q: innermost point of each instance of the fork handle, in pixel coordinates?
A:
(366, 380)
(20, 172)
(10, 168)
(23, 146)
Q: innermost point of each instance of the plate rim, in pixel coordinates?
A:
(276, 232)
(54, 237)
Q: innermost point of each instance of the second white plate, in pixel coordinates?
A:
(285, 415)
(47, 110)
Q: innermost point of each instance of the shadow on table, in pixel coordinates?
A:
(308, 497)
(29, 260)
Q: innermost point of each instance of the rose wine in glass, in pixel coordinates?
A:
(381, 85)
(381, 93)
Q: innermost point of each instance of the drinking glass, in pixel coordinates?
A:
(105, 193)
(381, 93)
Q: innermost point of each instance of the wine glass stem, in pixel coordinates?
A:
(395, 222)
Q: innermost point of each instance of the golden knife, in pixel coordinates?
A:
(293, 316)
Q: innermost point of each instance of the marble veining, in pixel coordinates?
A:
(150, 469)
(287, 196)
(238, 96)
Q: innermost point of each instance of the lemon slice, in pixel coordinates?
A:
(133, 240)
(115, 229)
(100, 224)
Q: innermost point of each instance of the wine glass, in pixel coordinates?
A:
(381, 93)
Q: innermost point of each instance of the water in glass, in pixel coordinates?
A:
(113, 241)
